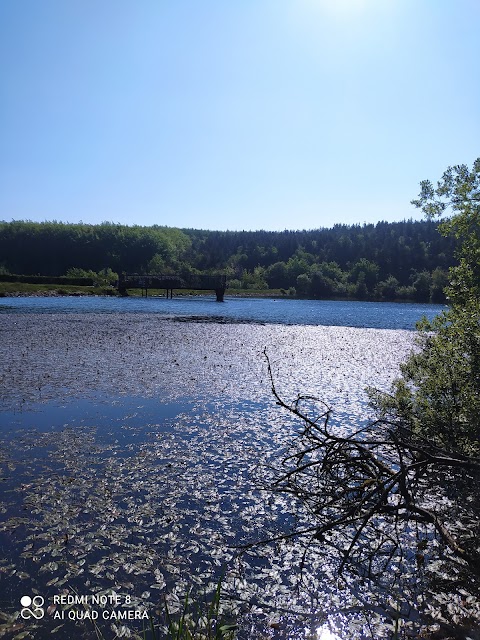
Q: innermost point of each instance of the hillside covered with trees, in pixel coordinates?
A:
(386, 261)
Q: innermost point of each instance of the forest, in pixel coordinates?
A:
(405, 260)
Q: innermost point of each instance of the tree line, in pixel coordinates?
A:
(400, 260)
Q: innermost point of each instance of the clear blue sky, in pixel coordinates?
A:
(233, 114)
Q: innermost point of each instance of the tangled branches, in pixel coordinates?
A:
(377, 494)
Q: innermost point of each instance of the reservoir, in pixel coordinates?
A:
(137, 439)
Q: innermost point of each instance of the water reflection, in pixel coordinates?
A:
(153, 496)
(324, 633)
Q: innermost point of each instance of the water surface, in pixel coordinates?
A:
(134, 448)
(384, 315)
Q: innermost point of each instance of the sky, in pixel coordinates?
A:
(238, 114)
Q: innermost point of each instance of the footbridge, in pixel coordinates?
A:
(171, 281)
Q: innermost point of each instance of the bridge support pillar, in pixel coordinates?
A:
(121, 286)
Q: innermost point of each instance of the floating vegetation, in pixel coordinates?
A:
(214, 319)
(131, 454)
(60, 356)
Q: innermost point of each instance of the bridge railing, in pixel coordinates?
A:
(174, 280)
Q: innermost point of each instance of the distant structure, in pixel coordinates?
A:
(171, 281)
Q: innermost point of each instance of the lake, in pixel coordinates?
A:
(136, 440)
(385, 315)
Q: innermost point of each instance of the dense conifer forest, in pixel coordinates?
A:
(386, 261)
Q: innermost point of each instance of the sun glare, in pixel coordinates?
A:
(324, 633)
(340, 8)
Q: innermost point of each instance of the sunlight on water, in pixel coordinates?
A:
(324, 633)
(153, 442)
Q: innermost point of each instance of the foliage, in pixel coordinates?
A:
(51, 248)
(199, 619)
(344, 261)
(103, 278)
(399, 501)
(438, 396)
(387, 289)
(459, 189)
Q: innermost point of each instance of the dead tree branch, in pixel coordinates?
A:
(364, 483)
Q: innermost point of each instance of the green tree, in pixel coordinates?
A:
(399, 500)
(459, 191)
(303, 284)
(361, 289)
(157, 264)
(438, 395)
(321, 285)
(104, 278)
(422, 283)
(276, 275)
(387, 289)
(364, 272)
(439, 283)
(296, 265)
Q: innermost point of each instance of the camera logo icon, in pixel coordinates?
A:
(32, 607)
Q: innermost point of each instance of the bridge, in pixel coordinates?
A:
(171, 281)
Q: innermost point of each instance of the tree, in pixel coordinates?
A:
(439, 283)
(276, 275)
(422, 283)
(399, 500)
(367, 269)
(321, 285)
(459, 189)
(361, 289)
(438, 396)
(387, 289)
(303, 284)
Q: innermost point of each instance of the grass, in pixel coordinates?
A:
(200, 619)
(195, 620)
(26, 289)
